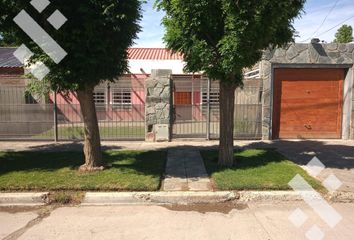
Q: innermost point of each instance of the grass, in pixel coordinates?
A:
(255, 170)
(56, 171)
(66, 197)
(77, 132)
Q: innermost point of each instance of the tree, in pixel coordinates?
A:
(344, 34)
(96, 38)
(7, 40)
(221, 38)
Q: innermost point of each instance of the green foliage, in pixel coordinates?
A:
(38, 88)
(344, 34)
(221, 37)
(7, 40)
(96, 37)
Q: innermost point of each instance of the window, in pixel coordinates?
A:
(99, 96)
(214, 97)
(121, 97)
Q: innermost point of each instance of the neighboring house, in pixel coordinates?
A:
(11, 74)
(20, 112)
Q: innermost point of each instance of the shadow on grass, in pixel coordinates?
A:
(244, 160)
(146, 163)
(255, 169)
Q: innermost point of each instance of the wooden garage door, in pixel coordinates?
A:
(308, 103)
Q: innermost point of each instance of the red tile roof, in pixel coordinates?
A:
(153, 54)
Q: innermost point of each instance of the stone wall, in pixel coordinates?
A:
(158, 105)
(352, 121)
(328, 55)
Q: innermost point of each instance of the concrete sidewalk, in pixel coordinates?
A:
(114, 145)
(185, 171)
(210, 222)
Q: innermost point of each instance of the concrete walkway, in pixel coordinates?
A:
(185, 171)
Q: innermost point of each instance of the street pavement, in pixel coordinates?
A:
(251, 221)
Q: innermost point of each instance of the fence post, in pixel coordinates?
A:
(208, 110)
(55, 111)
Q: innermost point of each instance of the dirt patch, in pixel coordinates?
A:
(65, 198)
(224, 208)
(18, 209)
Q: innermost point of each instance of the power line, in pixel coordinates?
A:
(330, 28)
(335, 26)
(324, 20)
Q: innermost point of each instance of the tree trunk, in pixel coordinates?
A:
(227, 105)
(92, 144)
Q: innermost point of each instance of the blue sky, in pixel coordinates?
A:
(308, 25)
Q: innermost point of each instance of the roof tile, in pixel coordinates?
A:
(7, 58)
(153, 54)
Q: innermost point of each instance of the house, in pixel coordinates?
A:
(301, 91)
(124, 99)
(21, 114)
(11, 74)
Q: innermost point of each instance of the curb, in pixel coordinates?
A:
(160, 198)
(341, 197)
(117, 198)
(23, 199)
(286, 196)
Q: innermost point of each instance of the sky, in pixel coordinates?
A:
(319, 17)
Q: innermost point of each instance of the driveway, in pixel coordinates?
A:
(337, 156)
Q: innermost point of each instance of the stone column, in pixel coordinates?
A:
(158, 102)
(266, 75)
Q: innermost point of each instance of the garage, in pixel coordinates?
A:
(307, 103)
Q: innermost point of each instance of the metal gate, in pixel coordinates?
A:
(196, 108)
(120, 110)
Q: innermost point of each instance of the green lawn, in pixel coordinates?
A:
(114, 132)
(255, 170)
(130, 171)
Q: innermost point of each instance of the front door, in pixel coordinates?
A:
(183, 105)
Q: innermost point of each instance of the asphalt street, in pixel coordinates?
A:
(250, 221)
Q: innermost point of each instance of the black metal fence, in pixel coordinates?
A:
(121, 111)
(196, 109)
(22, 117)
